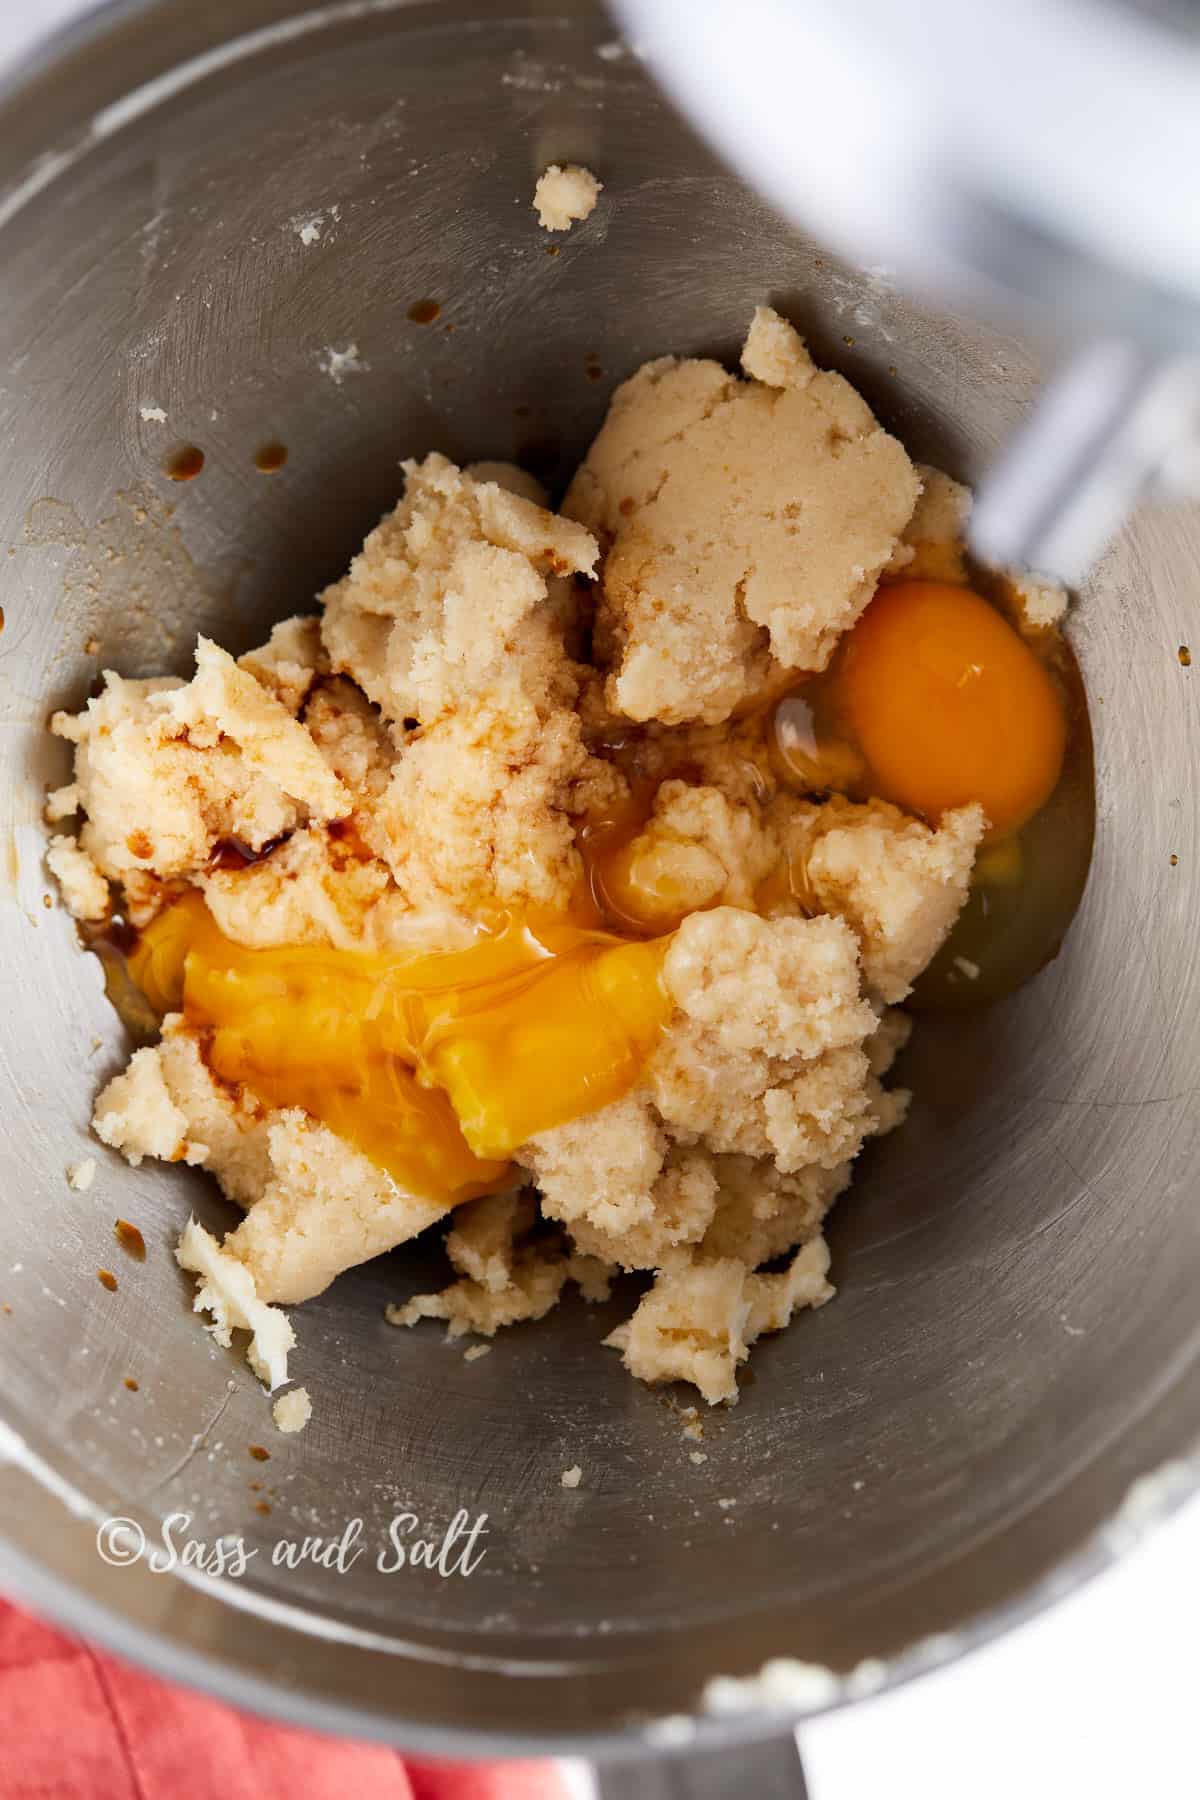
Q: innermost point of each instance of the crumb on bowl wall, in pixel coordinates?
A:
(564, 194)
(81, 1175)
(293, 1410)
(571, 1478)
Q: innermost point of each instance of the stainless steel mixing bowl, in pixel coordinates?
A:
(1016, 1337)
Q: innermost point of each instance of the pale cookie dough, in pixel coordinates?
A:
(565, 194)
(226, 1290)
(432, 741)
(745, 524)
(293, 1410)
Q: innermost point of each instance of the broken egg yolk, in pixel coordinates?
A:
(437, 1066)
(946, 704)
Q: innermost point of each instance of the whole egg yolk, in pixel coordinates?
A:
(948, 705)
(436, 1066)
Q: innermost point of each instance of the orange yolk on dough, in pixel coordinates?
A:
(947, 704)
(435, 1066)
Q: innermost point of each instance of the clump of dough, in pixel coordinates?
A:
(226, 1290)
(565, 193)
(702, 1314)
(764, 1088)
(485, 804)
(698, 849)
(505, 1275)
(165, 771)
(455, 617)
(293, 1410)
(461, 589)
(898, 883)
(625, 1193)
(745, 523)
(84, 889)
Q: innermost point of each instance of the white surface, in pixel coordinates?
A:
(1095, 1699)
(22, 22)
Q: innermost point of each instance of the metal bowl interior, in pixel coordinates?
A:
(1016, 1334)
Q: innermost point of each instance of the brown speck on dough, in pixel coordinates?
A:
(424, 312)
(138, 844)
(1185, 656)
(107, 1279)
(259, 1454)
(131, 1384)
(1174, 862)
(47, 901)
(263, 1507)
(130, 1239)
(626, 506)
(185, 464)
(92, 647)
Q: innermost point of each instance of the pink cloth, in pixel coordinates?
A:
(77, 1725)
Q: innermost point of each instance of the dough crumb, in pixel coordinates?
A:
(81, 1175)
(476, 1351)
(153, 415)
(783, 1684)
(337, 364)
(564, 194)
(293, 1410)
(1041, 601)
(571, 1478)
(83, 887)
(225, 1288)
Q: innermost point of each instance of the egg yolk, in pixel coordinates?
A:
(947, 704)
(436, 1066)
